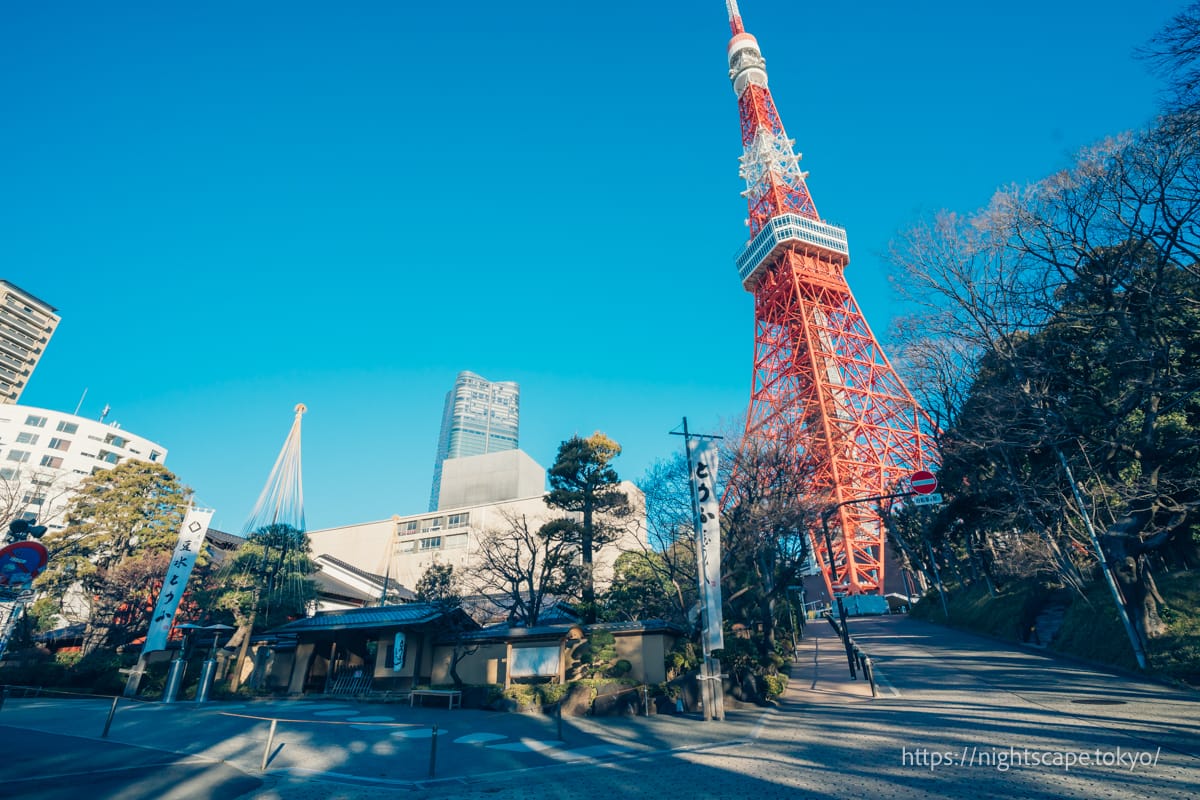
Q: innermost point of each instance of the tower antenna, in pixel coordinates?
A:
(735, 17)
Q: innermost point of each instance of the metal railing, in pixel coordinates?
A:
(858, 660)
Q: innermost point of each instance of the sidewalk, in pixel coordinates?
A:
(821, 672)
(389, 747)
(322, 749)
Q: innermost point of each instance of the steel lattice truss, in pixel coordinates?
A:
(821, 384)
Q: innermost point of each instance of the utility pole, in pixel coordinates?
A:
(1134, 640)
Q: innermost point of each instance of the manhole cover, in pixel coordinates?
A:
(1098, 701)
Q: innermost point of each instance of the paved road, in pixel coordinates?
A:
(958, 716)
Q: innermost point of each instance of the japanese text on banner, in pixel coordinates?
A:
(191, 537)
(708, 538)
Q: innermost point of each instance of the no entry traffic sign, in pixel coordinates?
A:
(923, 481)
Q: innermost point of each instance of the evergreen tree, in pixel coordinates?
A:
(583, 482)
(119, 518)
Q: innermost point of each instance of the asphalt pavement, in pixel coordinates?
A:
(956, 715)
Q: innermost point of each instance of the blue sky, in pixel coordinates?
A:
(237, 207)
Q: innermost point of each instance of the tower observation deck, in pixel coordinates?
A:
(821, 385)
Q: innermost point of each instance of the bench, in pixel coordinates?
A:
(454, 696)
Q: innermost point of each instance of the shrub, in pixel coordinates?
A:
(772, 685)
(682, 658)
(620, 669)
(529, 695)
(521, 694)
(596, 655)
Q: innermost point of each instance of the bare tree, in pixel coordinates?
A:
(33, 492)
(1173, 53)
(670, 549)
(1071, 309)
(767, 521)
(523, 567)
(439, 585)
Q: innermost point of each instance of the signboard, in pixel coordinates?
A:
(708, 539)
(927, 499)
(191, 537)
(534, 662)
(20, 563)
(399, 651)
(923, 481)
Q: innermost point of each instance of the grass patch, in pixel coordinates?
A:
(1005, 616)
(1177, 654)
(1091, 629)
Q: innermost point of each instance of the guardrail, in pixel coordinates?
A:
(858, 660)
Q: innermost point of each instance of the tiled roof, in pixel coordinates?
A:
(328, 585)
(229, 540)
(374, 617)
(362, 573)
(555, 630)
(490, 608)
(394, 588)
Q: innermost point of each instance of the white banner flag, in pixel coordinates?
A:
(191, 537)
(708, 538)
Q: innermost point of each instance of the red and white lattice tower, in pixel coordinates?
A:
(822, 387)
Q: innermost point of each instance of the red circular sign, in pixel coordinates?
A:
(923, 481)
(20, 563)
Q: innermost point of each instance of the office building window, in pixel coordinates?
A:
(20, 456)
(116, 441)
(67, 427)
(458, 520)
(431, 543)
(7, 473)
(108, 457)
(25, 437)
(409, 527)
(60, 444)
(155, 455)
(35, 421)
(407, 547)
(456, 541)
(431, 524)
(54, 462)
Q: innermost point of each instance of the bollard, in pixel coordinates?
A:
(108, 722)
(433, 752)
(267, 751)
(175, 673)
(869, 671)
(206, 681)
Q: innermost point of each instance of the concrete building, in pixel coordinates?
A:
(479, 417)
(26, 325)
(491, 478)
(405, 546)
(45, 454)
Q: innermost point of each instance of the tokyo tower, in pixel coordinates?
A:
(822, 387)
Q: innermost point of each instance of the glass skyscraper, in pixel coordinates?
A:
(480, 416)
